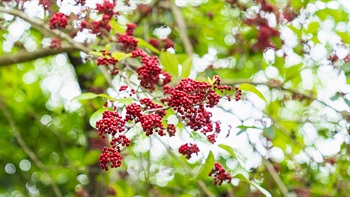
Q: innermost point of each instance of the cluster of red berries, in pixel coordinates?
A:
(97, 27)
(149, 114)
(110, 155)
(171, 130)
(111, 123)
(190, 99)
(106, 8)
(149, 73)
(188, 149)
(166, 43)
(220, 175)
(110, 62)
(238, 94)
(58, 20)
(127, 40)
(55, 44)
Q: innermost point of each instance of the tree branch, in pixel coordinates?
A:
(21, 57)
(181, 25)
(280, 87)
(276, 178)
(26, 148)
(42, 27)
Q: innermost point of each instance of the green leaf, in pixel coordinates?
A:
(91, 157)
(207, 167)
(120, 55)
(186, 67)
(96, 53)
(125, 101)
(90, 95)
(85, 96)
(251, 88)
(257, 186)
(170, 62)
(116, 26)
(230, 150)
(97, 115)
(108, 47)
(143, 43)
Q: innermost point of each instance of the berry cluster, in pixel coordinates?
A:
(171, 130)
(188, 149)
(148, 114)
(55, 44)
(149, 73)
(190, 99)
(110, 62)
(127, 40)
(219, 174)
(106, 8)
(238, 94)
(110, 155)
(111, 123)
(58, 20)
(166, 43)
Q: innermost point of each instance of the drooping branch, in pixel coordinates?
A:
(21, 57)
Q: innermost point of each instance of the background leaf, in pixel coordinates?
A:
(251, 88)
(206, 167)
(143, 43)
(169, 62)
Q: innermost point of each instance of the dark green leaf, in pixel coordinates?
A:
(207, 167)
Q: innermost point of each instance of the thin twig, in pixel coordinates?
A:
(276, 178)
(280, 87)
(26, 148)
(44, 28)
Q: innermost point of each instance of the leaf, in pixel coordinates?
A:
(207, 167)
(170, 62)
(251, 88)
(143, 43)
(120, 55)
(125, 101)
(90, 95)
(91, 157)
(257, 186)
(85, 96)
(240, 132)
(108, 47)
(230, 150)
(186, 67)
(97, 115)
(96, 53)
(116, 26)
